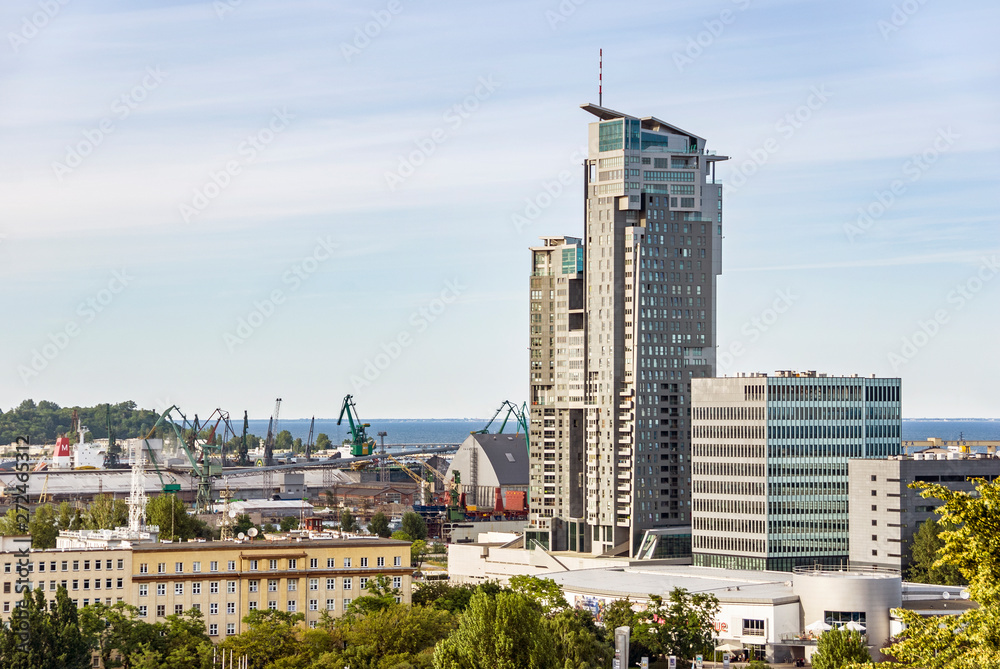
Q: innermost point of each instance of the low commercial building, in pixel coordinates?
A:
(487, 462)
(886, 513)
(225, 580)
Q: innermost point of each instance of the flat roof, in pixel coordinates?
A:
(729, 585)
(266, 545)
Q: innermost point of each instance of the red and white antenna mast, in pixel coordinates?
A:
(600, 80)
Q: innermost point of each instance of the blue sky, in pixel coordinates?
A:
(171, 170)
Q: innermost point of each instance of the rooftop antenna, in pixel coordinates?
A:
(600, 79)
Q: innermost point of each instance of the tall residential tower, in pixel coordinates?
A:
(653, 218)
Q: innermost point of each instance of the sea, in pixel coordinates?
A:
(455, 430)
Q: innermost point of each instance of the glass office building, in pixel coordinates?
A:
(769, 464)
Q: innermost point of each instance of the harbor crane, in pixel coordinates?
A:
(520, 416)
(309, 439)
(201, 466)
(361, 443)
(272, 434)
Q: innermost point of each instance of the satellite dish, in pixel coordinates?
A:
(252, 531)
(965, 594)
(241, 536)
(946, 594)
(232, 513)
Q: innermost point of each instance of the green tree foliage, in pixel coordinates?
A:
(44, 527)
(395, 637)
(418, 549)
(348, 523)
(926, 549)
(543, 591)
(170, 514)
(838, 648)
(283, 441)
(10, 523)
(620, 613)
(504, 631)
(243, 524)
(971, 545)
(379, 525)
(579, 642)
(289, 523)
(680, 625)
(43, 422)
(269, 635)
(447, 597)
(55, 640)
(400, 535)
(106, 513)
(379, 596)
(414, 525)
(322, 442)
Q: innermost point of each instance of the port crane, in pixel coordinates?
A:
(520, 416)
(272, 433)
(425, 492)
(201, 466)
(361, 443)
(309, 439)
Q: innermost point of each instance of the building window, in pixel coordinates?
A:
(347, 584)
(331, 604)
(76, 565)
(143, 590)
(347, 562)
(364, 582)
(330, 563)
(86, 565)
(213, 630)
(874, 551)
(313, 563)
(196, 606)
(380, 562)
(874, 493)
(230, 607)
(331, 584)
(753, 627)
(213, 608)
(161, 589)
(143, 568)
(272, 605)
(121, 564)
(314, 605)
(314, 584)
(161, 568)
(178, 567)
(273, 565)
(364, 562)
(252, 605)
(272, 585)
(213, 566)
(397, 561)
(347, 602)
(254, 585)
(397, 581)
(293, 584)
(196, 567)
(178, 609)
(196, 588)
(231, 587)
(86, 584)
(253, 565)
(230, 628)
(161, 610)
(291, 606)
(213, 587)
(293, 563)
(231, 565)
(312, 624)
(143, 611)
(178, 588)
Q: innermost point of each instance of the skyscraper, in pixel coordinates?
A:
(653, 220)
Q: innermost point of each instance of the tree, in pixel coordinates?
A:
(117, 634)
(578, 640)
(269, 635)
(289, 523)
(447, 597)
(414, 525)
(379, 525)
(347, 521)
(322, 442)
(170, 514)
(972, 545)
(283, 441)
(242, 524)
(926, 548)
(620, 613)
(839, 648)
(400, 535)
(417, 551)
(543, 591)
(43, 527)
(499, 632)
(379, 596)
(106, 513)
(55, 640)
(396, 637)
(10, 523)
(681, 625)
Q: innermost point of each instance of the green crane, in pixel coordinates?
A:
(520, 416)
(361, 443)
(201, 467)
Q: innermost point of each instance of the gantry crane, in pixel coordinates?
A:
(201, 466)
(361, 443)
(420, 481)
(521, 418)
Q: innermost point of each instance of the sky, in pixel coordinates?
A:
(218, 203)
